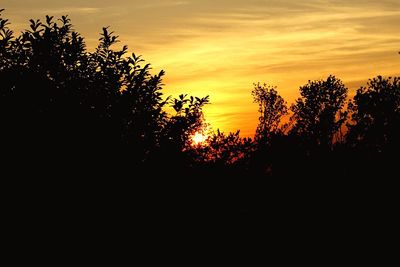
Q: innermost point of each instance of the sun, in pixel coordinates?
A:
(198, 138)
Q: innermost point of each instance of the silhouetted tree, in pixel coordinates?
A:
(54, 91)
(319, 114)
(376, 115)
(272, 107)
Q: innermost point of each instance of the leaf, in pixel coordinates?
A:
(49, 19)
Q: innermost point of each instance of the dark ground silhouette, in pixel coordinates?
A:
(88, 134)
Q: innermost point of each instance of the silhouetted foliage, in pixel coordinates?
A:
(187, 120)
(224, 149)
(318, 115)
(272, 107)
(375, 114)
(53, 90)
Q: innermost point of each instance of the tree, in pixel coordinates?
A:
(318, 114)
(53, 91)
(271, 107)
(375, 112)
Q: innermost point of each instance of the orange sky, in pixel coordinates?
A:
(221, 47)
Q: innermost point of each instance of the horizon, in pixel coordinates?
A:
(221, 49)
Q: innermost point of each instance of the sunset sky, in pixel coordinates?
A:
(221, 47)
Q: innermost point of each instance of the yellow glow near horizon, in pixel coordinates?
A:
(199, 138)
(220, 48)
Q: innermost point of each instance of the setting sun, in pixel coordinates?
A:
(198, 138)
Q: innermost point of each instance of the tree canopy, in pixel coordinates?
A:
(319, 113)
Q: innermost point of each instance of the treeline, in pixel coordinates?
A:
(68, 108)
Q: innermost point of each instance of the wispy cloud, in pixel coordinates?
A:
(162, 4)
(71, 10)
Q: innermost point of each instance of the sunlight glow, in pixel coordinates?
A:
(198, 138)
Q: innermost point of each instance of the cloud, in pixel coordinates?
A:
(161, 4)
(71, 10)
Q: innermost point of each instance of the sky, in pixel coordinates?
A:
(221, 47)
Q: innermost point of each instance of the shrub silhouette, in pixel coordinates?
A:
(222, 149)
